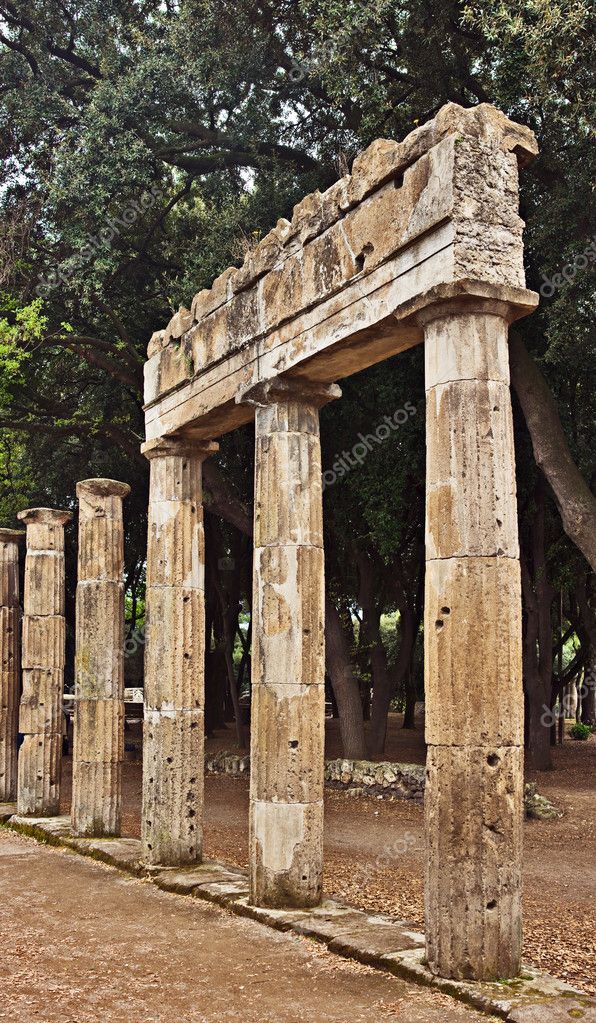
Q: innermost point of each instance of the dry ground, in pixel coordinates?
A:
(82, 943)
(374, 848)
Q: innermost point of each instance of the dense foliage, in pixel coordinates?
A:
(146, 145)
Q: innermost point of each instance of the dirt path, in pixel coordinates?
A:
(374, 855)
(80, 943)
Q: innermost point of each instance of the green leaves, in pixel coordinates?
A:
(18, 333)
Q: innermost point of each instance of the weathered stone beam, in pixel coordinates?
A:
(288, 658)
(10, 660)
(472, 634)
(173, 728)
(40, 714)
(440, 208)
(98, 749)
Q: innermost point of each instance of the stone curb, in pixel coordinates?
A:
(376, 940)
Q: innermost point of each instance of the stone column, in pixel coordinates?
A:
(472, 635)
(99, 661)
(570, 700)
(40, 717)
(10, 661)
(173, 731)
(288, 656)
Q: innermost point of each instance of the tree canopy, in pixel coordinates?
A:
(146, 145)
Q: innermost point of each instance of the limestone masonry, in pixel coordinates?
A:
(421, 243)
(99, 683)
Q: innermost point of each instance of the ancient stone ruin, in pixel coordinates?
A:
(10, 666)
(99, 684)
(422, 243)
(44, 638)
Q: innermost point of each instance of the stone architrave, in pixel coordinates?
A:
(472, 636)
(98, 749)
(174, 704)
(43, 650)
(421, 242)
(10, 660)
(288, 657)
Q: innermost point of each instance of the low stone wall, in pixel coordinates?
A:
(385, 780)
(227, 763)
(364, 777)
(356, 777)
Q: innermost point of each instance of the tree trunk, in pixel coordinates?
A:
(345, 686)
(378, 731)
(587, 633)
(537, 641)
(383, 690)
(228, 647)
(410, 702)
(570, 700)
(538, 755)
(575, 501)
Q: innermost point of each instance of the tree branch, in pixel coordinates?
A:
(575, 501)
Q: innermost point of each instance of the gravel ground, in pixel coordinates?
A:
(374, 853)
(82, 943)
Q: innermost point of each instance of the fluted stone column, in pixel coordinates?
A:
(40, 715)
(288, 658)
(472, 634)
(98, 749)
(173, 731)
(10, 661)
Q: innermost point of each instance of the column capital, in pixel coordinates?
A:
(12, 535)
(293, 389)
(444, 300)
(102, 488)
(44, 516)
(183, 447)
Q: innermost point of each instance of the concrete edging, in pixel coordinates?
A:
(376, 940)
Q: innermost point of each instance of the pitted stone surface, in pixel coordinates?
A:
(473, 651)
(296, 773)
(286, 853)
(174, 692)
(289, 602)
(98, 749)
(288, 702)
(470, 472)
(172, 825)
(43, 650)
(175, 665)
(472, 640)
(44, 582)
(10, 660)
(438, 209)
(174, 695)
(474, 816)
